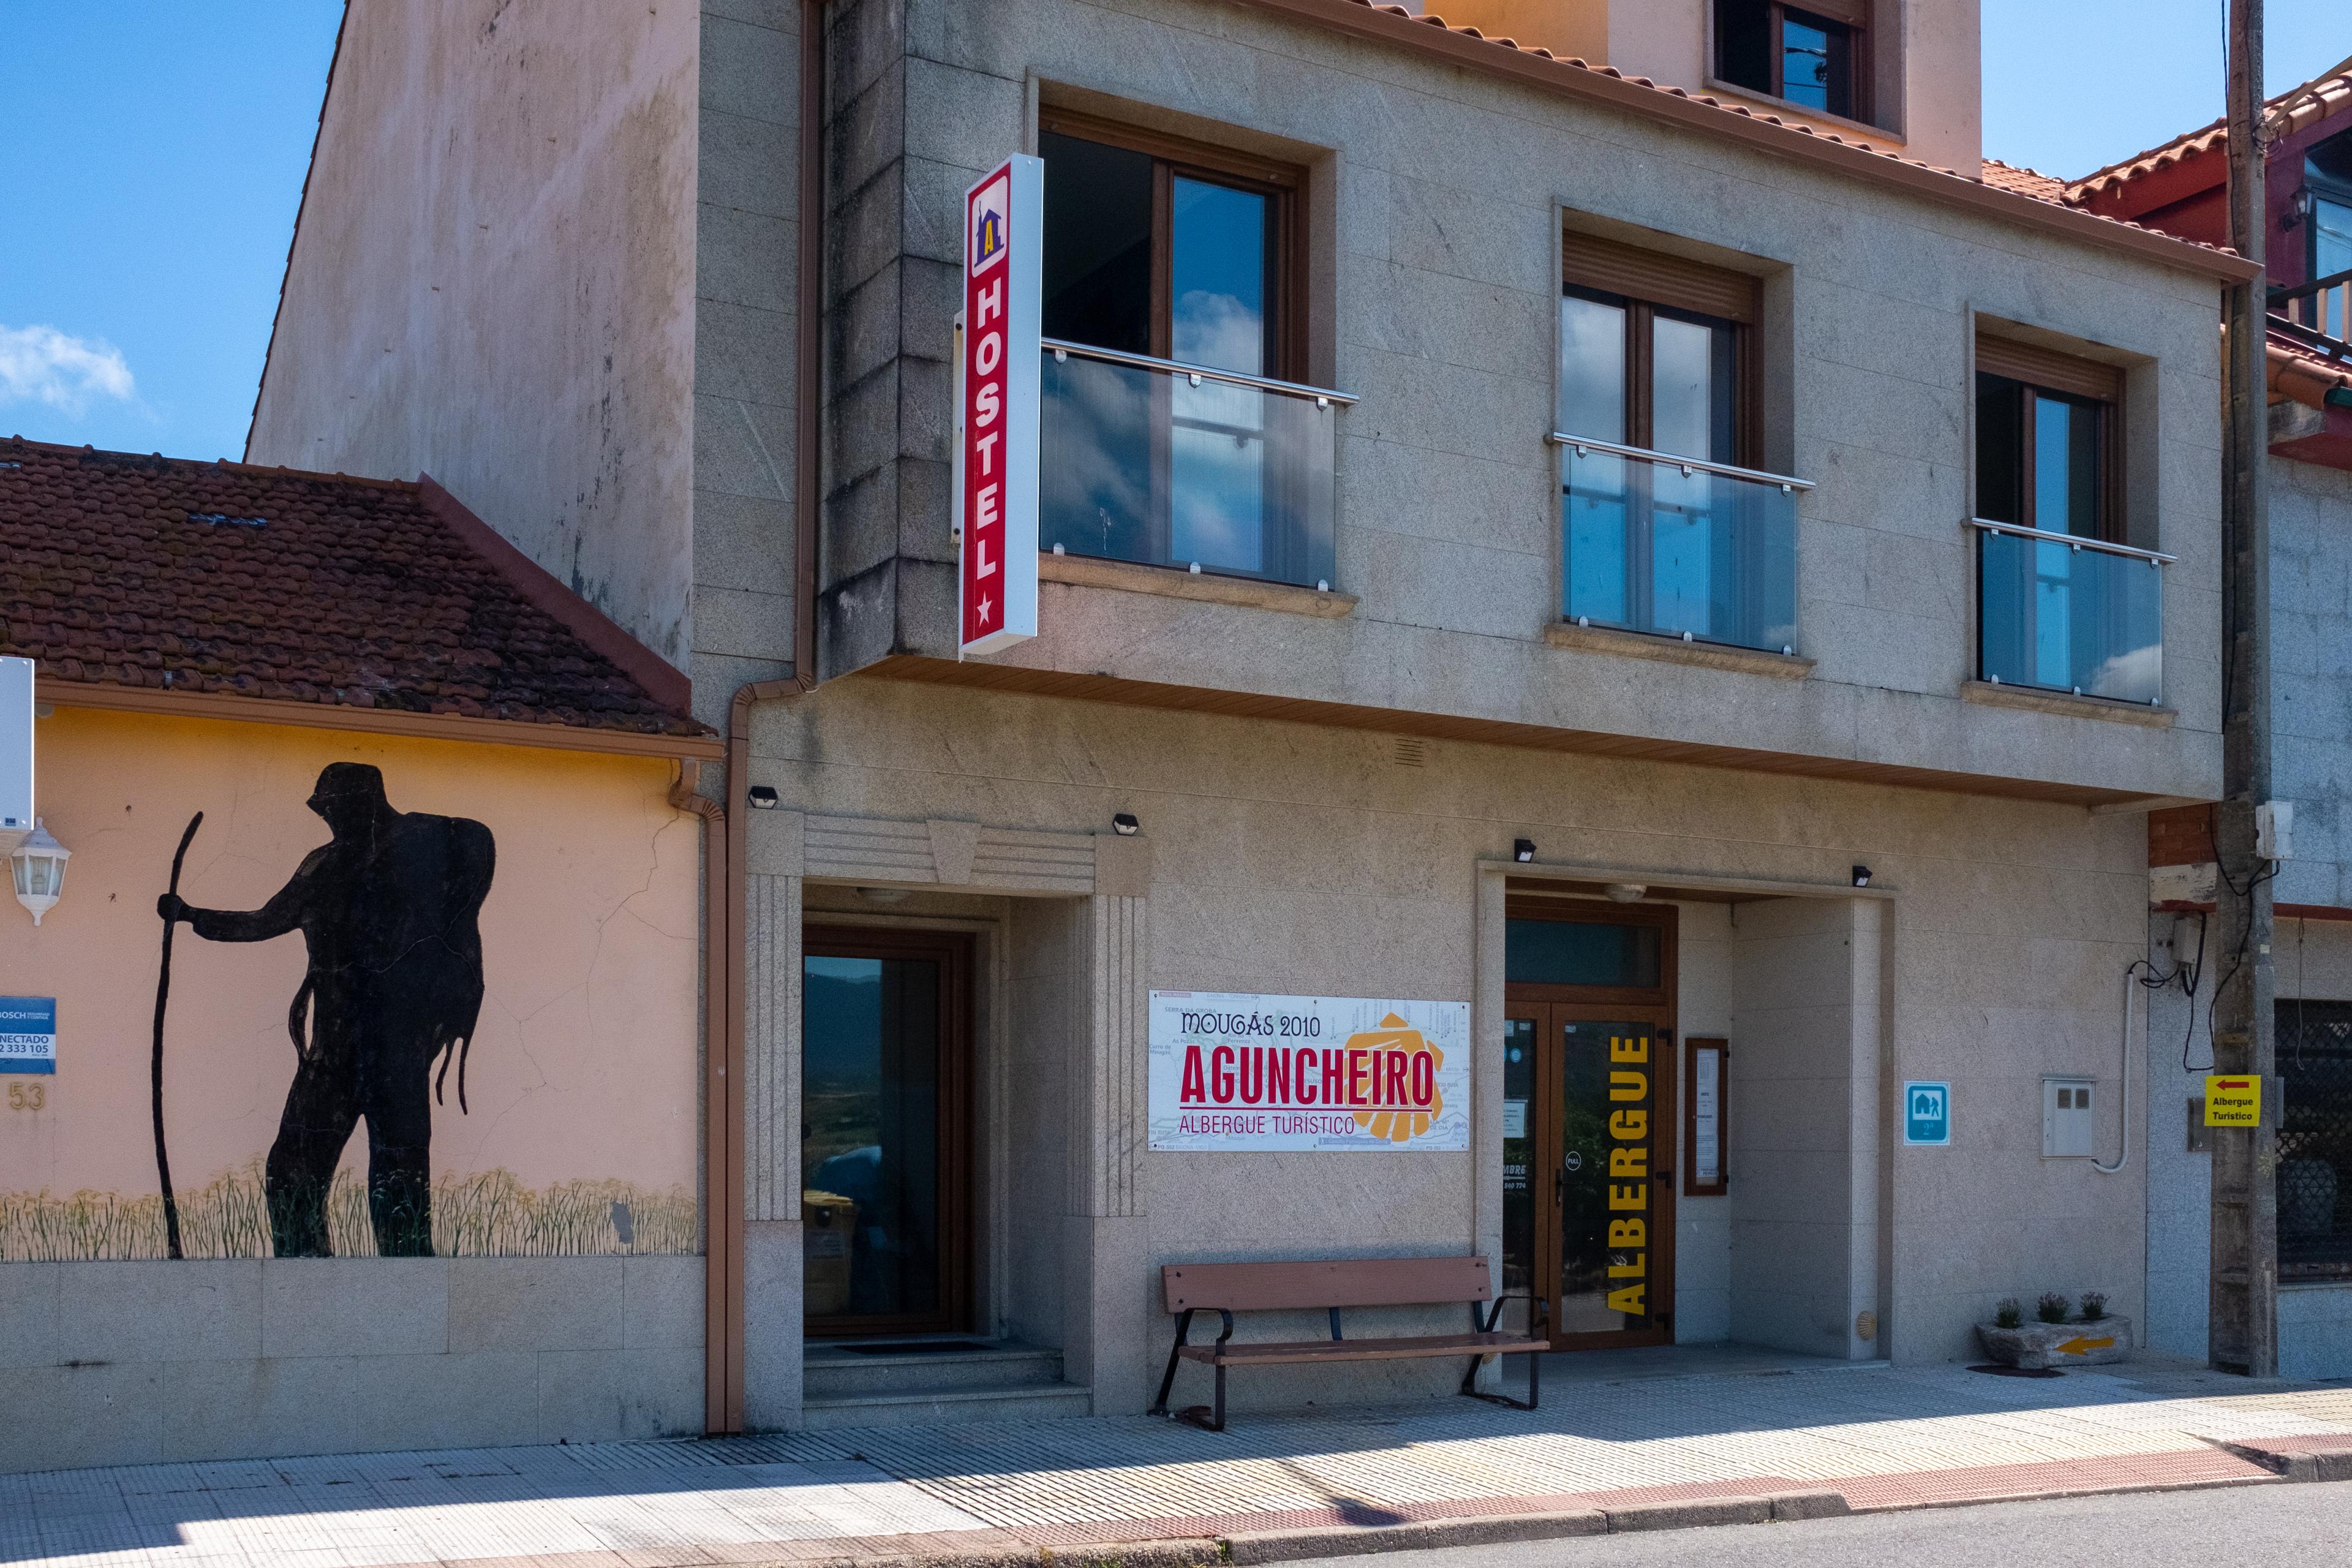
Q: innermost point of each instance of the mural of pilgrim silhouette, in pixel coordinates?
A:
(387, 907)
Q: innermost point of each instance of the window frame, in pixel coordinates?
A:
(2046, 373)
(1644, 283)
(1850, 19)
(1285, 185)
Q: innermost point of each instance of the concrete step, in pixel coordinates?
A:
(833, 1371)
(950, 1406)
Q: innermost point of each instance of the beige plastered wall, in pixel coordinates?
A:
(583, 1088)
(492, 280)
(1286, 859)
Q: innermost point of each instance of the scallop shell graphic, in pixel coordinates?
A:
(1400, 1126)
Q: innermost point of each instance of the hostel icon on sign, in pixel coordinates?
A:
(988, 208)
(1927, 1113)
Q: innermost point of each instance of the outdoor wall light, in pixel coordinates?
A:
(39, 868)
(1125, 824)
(1523, 850)
(761, 798)
(1862, 876)
(1626, 892)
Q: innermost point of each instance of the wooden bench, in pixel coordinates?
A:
(1225, 1288)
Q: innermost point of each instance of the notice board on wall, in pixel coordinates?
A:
(1235, 1072)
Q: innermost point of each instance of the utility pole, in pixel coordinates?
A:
(2243, 1332)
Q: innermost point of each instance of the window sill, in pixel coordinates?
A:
(2067, 704)
(1171, 583)
(1785, 106)
(1673, 651)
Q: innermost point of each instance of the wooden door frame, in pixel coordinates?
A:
(1552, 1006)
(953, 950)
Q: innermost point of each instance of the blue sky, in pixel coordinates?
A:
(156, 152)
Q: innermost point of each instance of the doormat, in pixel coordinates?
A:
(2020, 1371)
(917, 1347)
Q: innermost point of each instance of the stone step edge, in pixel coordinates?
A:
(954, 1392)
(2325, 1459)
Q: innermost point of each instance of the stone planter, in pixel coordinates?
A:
(2035, 1347)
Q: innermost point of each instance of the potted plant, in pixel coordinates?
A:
(2058, 1339)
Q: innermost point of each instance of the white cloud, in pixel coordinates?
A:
(42, 364)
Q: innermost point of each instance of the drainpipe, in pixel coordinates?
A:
(726, 920)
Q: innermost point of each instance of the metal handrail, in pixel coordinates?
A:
(1061, 349)
(1582, 443)
(2075, 541)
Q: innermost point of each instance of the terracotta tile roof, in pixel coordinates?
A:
(2009, 185)
(168, 576)
(2301, 374)
(2287, 113)
(2025, 181)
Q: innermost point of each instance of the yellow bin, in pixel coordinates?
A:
(829, 1220)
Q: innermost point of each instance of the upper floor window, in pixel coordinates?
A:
(1808, 54)
(2069, 606)
(1663, 527)
(2327, 184)
(2045, 442)
(1171, 431)
(1167, 249)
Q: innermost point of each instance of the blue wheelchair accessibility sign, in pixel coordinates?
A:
(1927, 1113)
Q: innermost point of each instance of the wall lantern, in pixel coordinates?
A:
(1523, 850)
(1862, 876)
(1124, 824)
(39, 868)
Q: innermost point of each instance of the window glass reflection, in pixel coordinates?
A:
(1805, 64)
(1217, 283)
(1592, 368)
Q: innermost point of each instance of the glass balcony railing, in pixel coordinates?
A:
(2067, 614)
(1677, 547)
(1176, 465)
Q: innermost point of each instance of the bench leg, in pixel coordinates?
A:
(1183, 1327)
(1217, 1423)
(1535, 1363)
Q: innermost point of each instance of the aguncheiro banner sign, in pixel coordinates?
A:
(1241, 1072)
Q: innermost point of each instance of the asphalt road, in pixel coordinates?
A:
(2300, 1526)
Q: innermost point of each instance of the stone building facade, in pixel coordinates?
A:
(1419, 759)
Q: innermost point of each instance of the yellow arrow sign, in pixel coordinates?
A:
(2077, 1346)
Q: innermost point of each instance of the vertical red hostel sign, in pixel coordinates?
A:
(997, 396)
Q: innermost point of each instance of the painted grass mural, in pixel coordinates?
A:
(487, 1215)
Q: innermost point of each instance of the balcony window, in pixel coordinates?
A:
(1664, 529)
(1808, 56)
(2062, 603)
(1174, 430)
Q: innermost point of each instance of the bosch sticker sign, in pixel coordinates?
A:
(29, 1034)
(997, 393)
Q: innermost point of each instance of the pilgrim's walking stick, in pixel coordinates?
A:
(162, 994)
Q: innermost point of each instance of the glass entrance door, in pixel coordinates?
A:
(1612, 1104)
(1589, 1117)
(884, 1199)
(1588, 1171)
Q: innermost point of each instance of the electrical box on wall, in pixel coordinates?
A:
(16, 752)
(2066, 1116)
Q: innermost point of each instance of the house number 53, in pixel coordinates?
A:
(27, 1095)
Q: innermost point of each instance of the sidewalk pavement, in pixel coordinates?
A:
(1884, 1437)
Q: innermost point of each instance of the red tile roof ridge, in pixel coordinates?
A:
(2290, 111)
(1436, 20)
(231, 465)
(2025, 181)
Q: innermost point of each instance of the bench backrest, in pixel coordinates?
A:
(1344, 1282)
